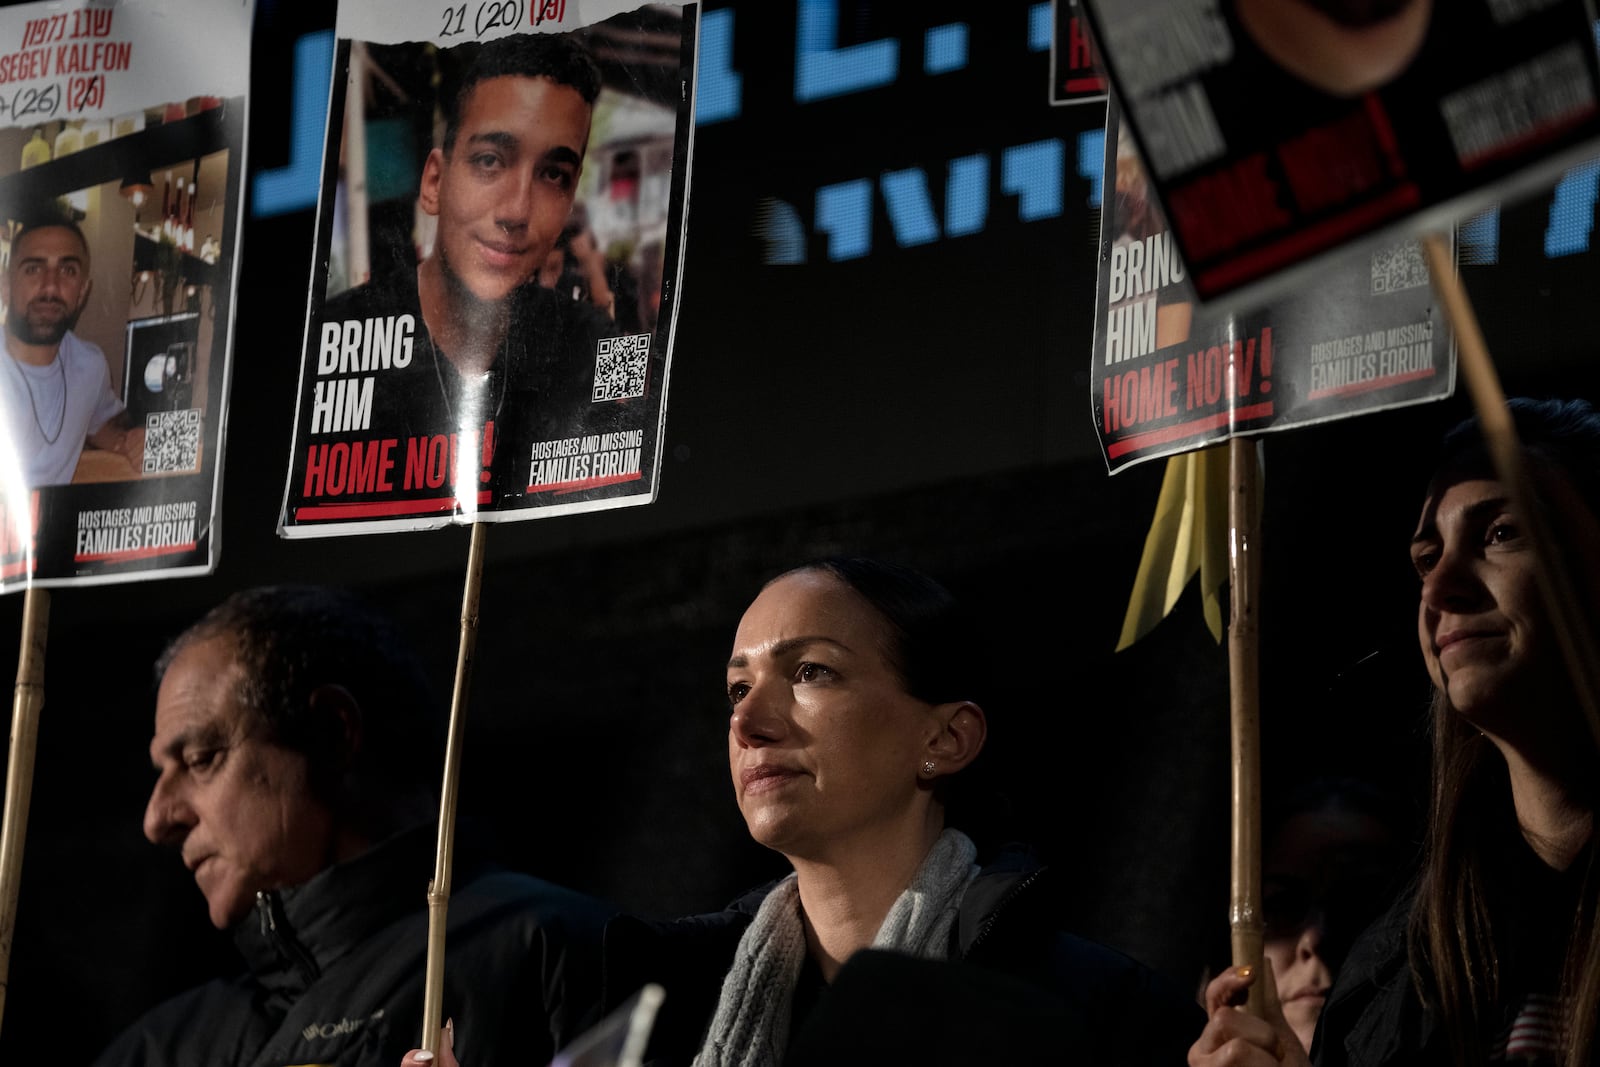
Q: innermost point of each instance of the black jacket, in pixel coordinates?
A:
(336, 970)
(1373, 1016)
(1017, 988)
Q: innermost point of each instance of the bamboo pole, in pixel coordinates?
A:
(26, 702)
(1245, 922)
(1500, 434)
(439, 887)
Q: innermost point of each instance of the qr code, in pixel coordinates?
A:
(1398, 267)
(172, 441)
(619, 367)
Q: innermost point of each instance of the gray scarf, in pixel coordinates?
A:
(751, 1027)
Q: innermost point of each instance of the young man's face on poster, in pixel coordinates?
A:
(504, 189)
(46, 285)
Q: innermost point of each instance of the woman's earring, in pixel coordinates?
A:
(927, 768)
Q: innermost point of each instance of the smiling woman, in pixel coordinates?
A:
(1494, 954)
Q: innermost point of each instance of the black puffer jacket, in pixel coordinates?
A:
(1016, 988)
(336, 969)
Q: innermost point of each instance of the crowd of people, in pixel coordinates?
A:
(295, 750)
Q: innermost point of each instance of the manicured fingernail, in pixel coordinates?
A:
(424, 1056)
(450, 1033)
(1244, 971)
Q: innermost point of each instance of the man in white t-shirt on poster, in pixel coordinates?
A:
(55, 386)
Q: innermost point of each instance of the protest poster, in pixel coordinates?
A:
(1278, 131)
(121, 157)
(1170, 374)
(498, 263)
(1076, 76)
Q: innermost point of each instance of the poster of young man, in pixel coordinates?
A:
(1278, 131)
(499, 249)
(1171, 375)
(120, 162)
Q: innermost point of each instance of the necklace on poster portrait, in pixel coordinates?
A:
(444, 388)
(33, 404)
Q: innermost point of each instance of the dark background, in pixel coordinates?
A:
(926, 404)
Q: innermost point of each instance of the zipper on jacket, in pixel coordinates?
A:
(270, 909)
(999, 909)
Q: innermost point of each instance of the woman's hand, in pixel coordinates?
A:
(446, 1056)
(1235, 1038)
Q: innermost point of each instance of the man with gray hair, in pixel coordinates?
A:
(295, 748)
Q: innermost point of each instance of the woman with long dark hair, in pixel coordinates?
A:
(1493, 956)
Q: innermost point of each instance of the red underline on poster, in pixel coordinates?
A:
(584, 483)
(21, 566)
(1084, 85)
(1367, 387)
(1311, 239)
(381, 508)
(133, 553)
(1543, 132)
(1187, 429)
